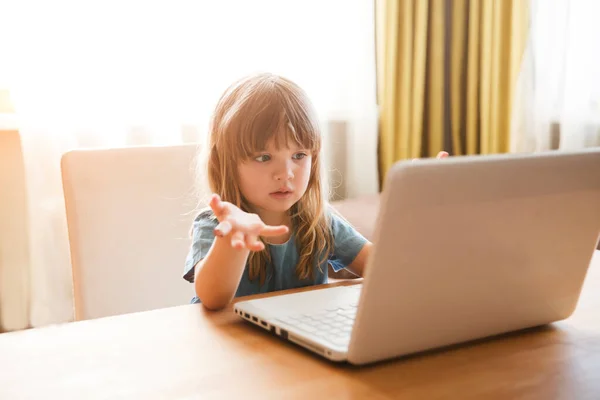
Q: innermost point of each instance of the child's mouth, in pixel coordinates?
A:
(281, 194)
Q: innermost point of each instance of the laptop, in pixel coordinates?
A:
(464, 248)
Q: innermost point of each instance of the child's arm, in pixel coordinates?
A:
(350, 248)
(357, 267)
(218, 275)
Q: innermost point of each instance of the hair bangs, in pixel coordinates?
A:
(263, 118)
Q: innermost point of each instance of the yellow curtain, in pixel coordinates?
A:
(446, 72)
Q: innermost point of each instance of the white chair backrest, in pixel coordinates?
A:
(129, 213)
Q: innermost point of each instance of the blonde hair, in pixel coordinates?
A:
(250, 113)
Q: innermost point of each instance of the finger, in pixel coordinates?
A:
(274, 230)
(252, 243)
(216, 205)
(214, 200)
(223, 229)
(442, 154)
(237, 240)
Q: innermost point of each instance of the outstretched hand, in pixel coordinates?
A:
(244, 228)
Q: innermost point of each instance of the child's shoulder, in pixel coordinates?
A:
(206, 216)
(341, 228)
(334, 217)
(206, 213)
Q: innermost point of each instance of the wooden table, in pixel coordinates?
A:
(187, 352)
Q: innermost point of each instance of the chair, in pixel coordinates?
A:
(129, 214)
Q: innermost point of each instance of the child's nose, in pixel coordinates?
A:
(284, 172)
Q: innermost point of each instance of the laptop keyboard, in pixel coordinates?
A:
(334, 324)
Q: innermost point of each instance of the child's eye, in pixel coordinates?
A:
(299, 156)
(263, 158)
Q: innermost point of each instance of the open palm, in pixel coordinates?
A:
(244, 228)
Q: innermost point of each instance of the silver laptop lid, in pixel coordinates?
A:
(475, 246)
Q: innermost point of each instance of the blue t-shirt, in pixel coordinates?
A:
(284, 257)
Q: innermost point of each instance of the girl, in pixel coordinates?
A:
(269, 226)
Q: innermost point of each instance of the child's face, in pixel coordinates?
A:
(274, 180)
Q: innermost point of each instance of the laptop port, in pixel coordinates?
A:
(283, 333)
(254, 319)
(263, 323)
(247, 315)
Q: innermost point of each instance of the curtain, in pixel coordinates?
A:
(446, 73)
(119, 73)
(558, 101)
